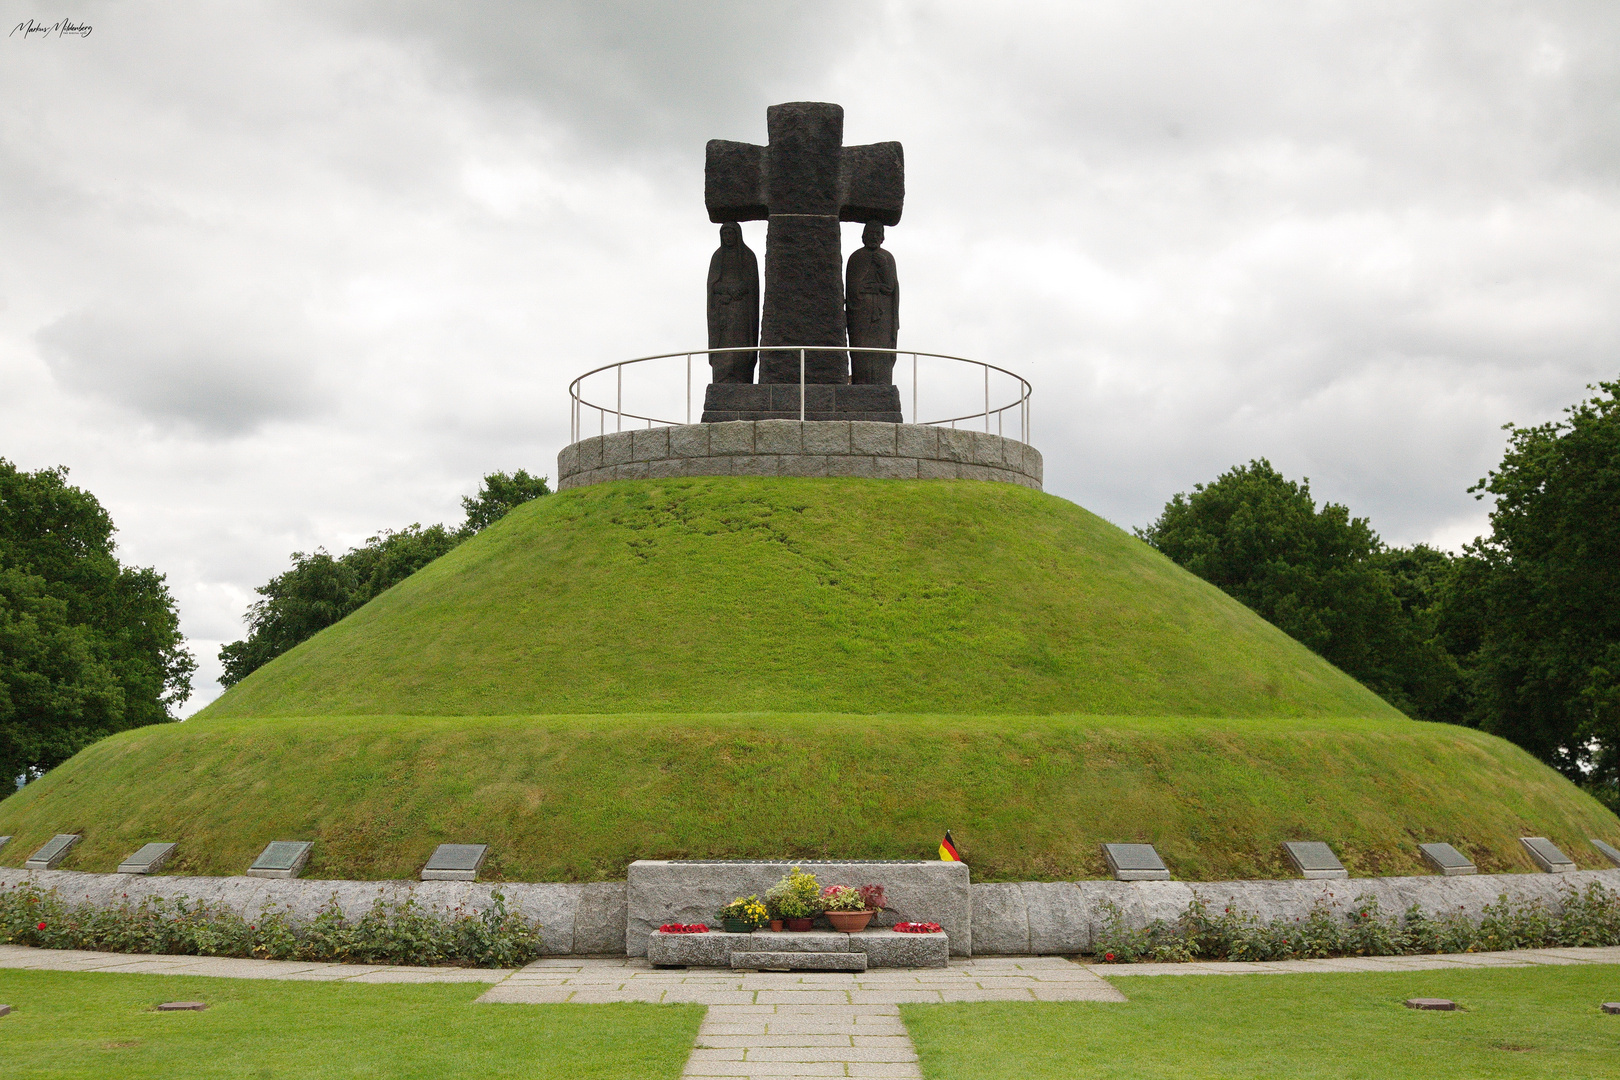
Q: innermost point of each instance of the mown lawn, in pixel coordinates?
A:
(1512, 1024)
(562, 798)
(72, 1024)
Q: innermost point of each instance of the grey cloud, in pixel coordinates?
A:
(225, 375)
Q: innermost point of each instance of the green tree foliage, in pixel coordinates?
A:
(320, 589)
(87, 646)
(1536, 607)
(1322, 576)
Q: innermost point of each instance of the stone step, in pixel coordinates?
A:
(798, 961)
(881, 948)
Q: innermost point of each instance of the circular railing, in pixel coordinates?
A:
(939, 386)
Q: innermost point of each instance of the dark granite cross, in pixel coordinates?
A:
(804, 183)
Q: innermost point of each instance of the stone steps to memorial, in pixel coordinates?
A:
(798, 961)
(878, 949)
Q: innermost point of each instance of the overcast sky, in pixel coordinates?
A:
(278, 276)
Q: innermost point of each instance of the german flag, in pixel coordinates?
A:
(947, 849)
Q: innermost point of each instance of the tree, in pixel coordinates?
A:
(87, 646)
(1539, 616)
(321, 589)
(1320, 575)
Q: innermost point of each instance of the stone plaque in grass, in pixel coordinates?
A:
(281, 859)
(1447, 859)
(148, 860)
(1546, 855)
(1609, 851)
(52, 853)
(5, 1010)
(1135, 862)
(183, 1006)
(1431, 1004)
(1314, 859)
(455, 862)
(1610, 1007)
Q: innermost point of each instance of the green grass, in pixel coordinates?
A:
(1512, 1023)
(81, 1024)
(730, 595)
(577, 798)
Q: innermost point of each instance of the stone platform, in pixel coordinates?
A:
(878, 949)
(885, 451)
(780, 401)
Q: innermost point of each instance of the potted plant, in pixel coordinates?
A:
(796, 900)
(743, 915)
(849, 909)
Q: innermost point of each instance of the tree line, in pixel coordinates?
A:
(1518, 635)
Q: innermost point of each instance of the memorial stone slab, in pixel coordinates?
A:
(1610, 1007)
(1432, 1004)
(1135, 862)
(182, 1006)
(455, 862)
(798, 961)
(4, 840)
(1546, 855)
(1447, 859)
(52, 853)
(5, 1010)
(281, 859)
(148, 859)
(1609, 851)
(1314, 859)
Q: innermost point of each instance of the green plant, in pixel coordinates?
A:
(796, 896)
(389, 933)
(747, 909)
(842, 898)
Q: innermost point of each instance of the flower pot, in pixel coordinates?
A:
(737, 926)
(800, 924)
(776, 926)
(850, 922)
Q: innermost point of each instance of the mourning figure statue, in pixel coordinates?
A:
(733, 306)
(872, 308)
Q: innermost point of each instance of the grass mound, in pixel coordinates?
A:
(733, 595)
(577, 798)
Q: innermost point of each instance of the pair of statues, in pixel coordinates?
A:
(871, 308)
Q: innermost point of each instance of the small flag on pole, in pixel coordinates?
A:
(947, 849)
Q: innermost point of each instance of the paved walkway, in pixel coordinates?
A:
(781, 1025)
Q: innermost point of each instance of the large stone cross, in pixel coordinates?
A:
(804, 183)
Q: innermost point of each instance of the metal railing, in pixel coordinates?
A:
(578, 404)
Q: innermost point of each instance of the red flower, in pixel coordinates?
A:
(1108, 956)
(42, 926)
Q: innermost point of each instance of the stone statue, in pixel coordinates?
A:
(733, 306)
(872, 308)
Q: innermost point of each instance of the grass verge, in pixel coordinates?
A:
(578, 798)
(1512, 1024)
(72, 1024)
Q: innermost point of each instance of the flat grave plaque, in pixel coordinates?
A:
(1447, 859)
(148, 859)
(281, 859)
(4, 840)
(1135, 862)
(1314, 859)
(1547, 855)
(5, 1010)
(455, 862)
(1610, 1007)
(52, 853)
(1610, 852)
(183, 1006)
(1432, 1004)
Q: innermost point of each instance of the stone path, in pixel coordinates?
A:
(771, 1024)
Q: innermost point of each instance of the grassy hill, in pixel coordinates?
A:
(578, 797)
(731, 595)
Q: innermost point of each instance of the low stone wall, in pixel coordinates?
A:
(1013, 918)
(799, 448)
(583, 919)
(1066, 916)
